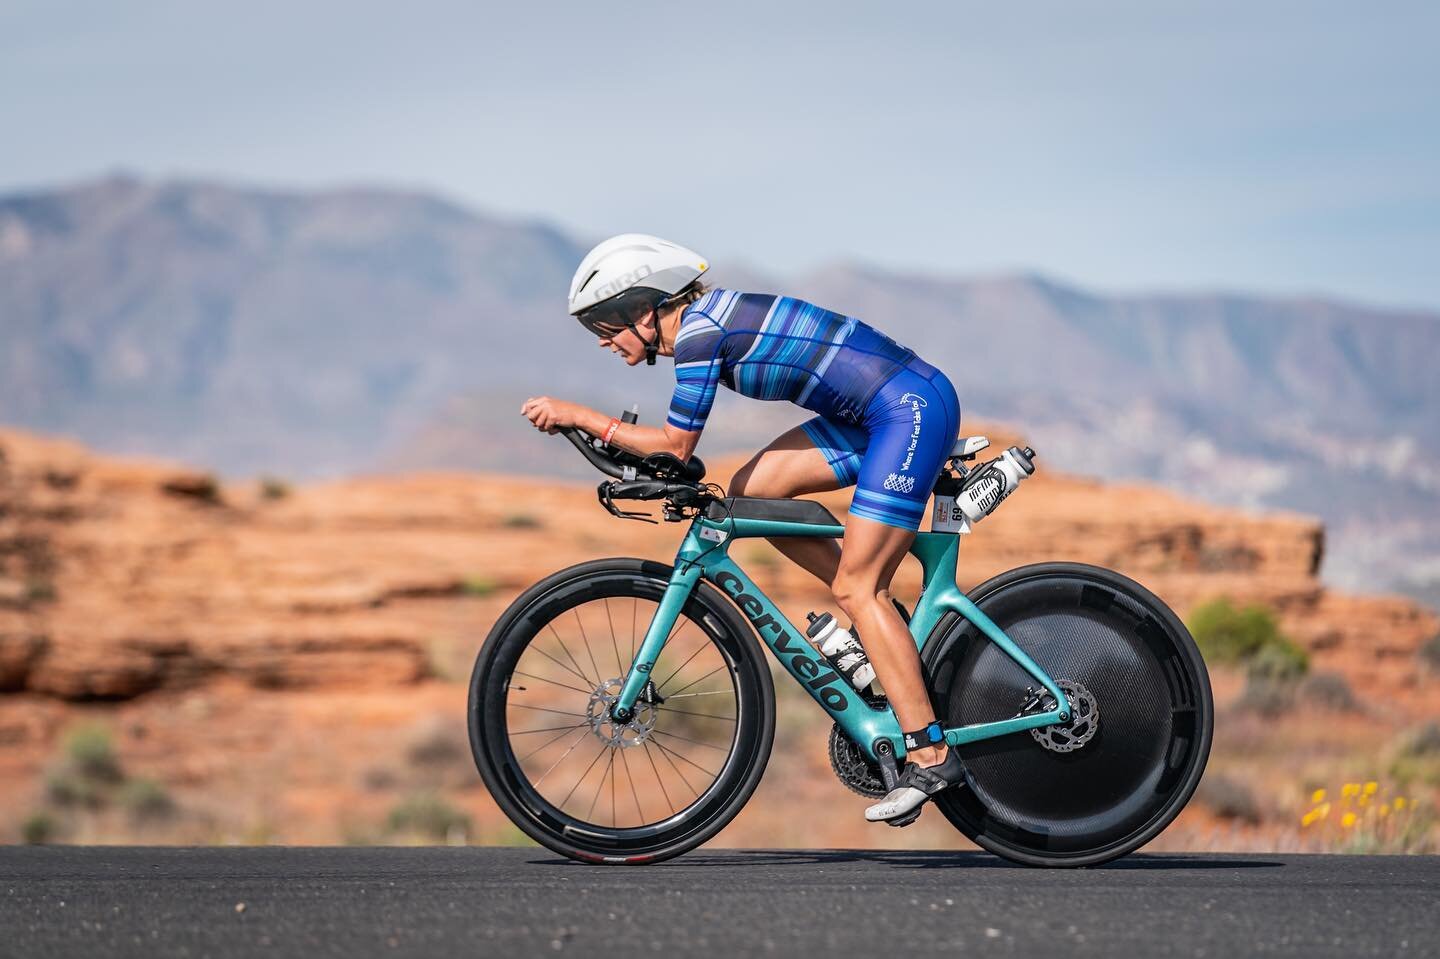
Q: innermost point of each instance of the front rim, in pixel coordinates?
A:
(602, 791)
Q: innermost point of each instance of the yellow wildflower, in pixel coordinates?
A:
(1384, 809)
(1399, 803)
(1350, 789)
(1324, 809)
(1364, 800)
(1318, 797)
(1370, 787)
(1348, 820)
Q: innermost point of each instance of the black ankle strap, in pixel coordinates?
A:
(931, 735)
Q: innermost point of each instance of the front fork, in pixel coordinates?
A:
(682, 584)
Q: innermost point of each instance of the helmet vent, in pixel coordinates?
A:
(593, 274)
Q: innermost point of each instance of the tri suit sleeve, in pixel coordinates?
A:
(698, 366)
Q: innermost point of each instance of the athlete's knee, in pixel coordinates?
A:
(854, 592)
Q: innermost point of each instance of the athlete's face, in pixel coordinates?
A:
(627, 344)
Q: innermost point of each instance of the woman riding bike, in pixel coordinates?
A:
(886, 421)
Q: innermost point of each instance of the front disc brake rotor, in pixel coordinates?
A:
(1084, 720)
(613, 733)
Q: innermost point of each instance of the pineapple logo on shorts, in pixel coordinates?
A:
(900, 484)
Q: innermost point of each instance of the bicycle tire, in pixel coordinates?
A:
(1118, 791)
(576, 836)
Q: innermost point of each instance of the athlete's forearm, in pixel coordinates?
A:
(641, 440)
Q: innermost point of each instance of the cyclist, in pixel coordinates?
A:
(886, 421)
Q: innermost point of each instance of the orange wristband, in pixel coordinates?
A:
(610, 431)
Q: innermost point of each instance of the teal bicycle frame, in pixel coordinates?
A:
(705, 554)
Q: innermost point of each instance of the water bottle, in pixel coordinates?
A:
(982, 491)
(841, 649)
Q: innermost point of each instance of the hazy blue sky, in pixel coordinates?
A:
(1271, 146)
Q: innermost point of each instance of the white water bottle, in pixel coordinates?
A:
(957, 510)
(843, 650)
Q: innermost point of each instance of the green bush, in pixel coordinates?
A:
(146, 802)
(521, 521)
(1248, 636)
(429, 816)
(92, 756)
(1430, 653)
(1229, 798)
(1331, 691)
(272, 488)
(1267, 697)
(39, 828)
(478, 585)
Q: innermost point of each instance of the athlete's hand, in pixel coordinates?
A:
(550, 414)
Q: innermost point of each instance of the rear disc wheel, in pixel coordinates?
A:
(1134, 751)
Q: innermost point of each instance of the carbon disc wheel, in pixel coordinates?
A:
(571, 776)
(1141, 699)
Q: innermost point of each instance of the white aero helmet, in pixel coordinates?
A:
(626, 276)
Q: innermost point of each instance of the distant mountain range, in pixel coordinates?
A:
(304, 334)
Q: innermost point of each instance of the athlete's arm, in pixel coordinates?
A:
(550, 414)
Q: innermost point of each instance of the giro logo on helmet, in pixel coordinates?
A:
(622, 282)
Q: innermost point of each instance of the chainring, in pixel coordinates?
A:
(851, 767)
(1084, 720)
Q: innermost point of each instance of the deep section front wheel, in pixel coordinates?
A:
(571, 776)
(1111, 780)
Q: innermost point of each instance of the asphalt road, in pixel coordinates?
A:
(70, 901)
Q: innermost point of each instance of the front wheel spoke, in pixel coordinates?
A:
(679, 755)
(661, 732)
(548, 742)
(704, 642)
(571, 656)
(562, 802)
(609, 765)
(656, 769)
(668, 753)
(557, 762)
(558, 663)
(686, 712)
(630, 777)
(614, 640)
(712, 692)
(546, 709)
(590, 652)
(693, 682)
(542, 679)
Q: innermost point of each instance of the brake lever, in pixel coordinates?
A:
(602, 492)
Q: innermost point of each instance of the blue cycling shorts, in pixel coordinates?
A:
(894, 454)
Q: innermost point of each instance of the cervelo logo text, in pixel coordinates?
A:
(622, 282)
(815, 674)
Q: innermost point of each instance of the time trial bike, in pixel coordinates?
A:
(621, 711)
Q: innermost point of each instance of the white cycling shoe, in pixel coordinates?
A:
(901, 805)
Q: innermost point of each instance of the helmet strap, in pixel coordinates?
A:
(652, 347)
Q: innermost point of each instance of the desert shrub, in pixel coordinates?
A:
(1229, 798)
(146, 802)
(1267, 697)
(1417, 755)
(1280, 662)
(90, 754)
(68, 789)
(1330, 691)
(39, 828)
(199, 486)
(429, 816)
(1430, 653)
(1248, 636)
(273, 488)
(478, 585)
(521, 521)
(437, 751)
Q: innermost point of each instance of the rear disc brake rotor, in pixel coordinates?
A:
(1084, 720)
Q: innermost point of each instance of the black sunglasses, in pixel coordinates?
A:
(610, 317)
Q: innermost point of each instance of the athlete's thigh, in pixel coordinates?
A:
(791, 465)
(871, 551)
